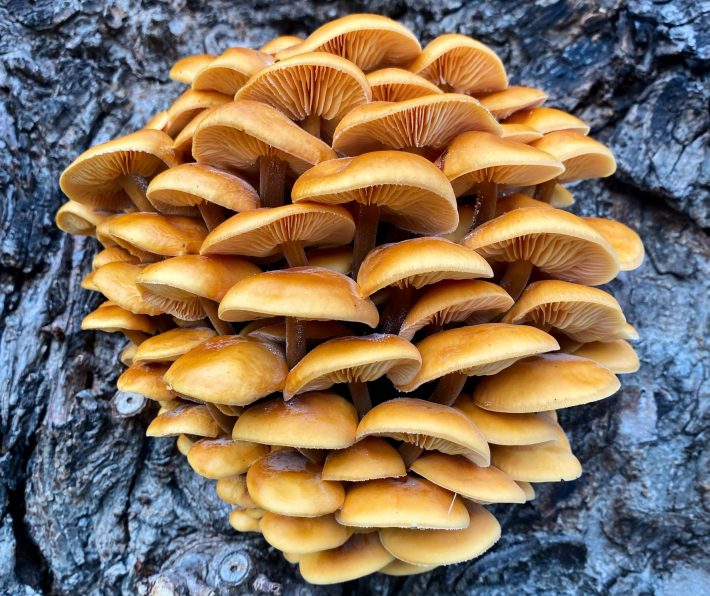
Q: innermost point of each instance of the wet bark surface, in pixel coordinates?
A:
(88, 505)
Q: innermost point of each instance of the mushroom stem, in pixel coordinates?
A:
(543, 192)
(135, 189)
(295, 341)
(365, 235)
(220, 326)
(212, 214)
(137, 337)
(396, 310)
(487, 201)
(272, 180)
(448, 388)
(516, 277)
(311, 124)
(226, 423)
(294, 253)
(361, 397)
(409, 453)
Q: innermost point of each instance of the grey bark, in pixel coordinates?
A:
(88, 505)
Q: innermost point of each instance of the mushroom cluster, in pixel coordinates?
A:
(349, 283)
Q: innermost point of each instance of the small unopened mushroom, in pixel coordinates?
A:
(186, 419)
(78, 219)
(112, 318)
(185, 69)
(302, 535)
(223, 457)
(368, 459)
(245, 520)
(170, 345)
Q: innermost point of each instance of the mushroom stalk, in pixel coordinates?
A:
(397, 307)
(448, 388)
(137, 337)
(295, 341)
(272, 180)
(212, 214)
(543, 192)
(311, 124)
(365, 235)
(361, 397)
(487, 201)
(135, 189)
(220, 326)
(294, 253)
(226, 423)
(516, 277)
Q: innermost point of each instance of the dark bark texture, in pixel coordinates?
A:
(89, 506)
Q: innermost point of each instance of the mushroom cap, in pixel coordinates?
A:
(312, 330)
(175, 285)
(310, 293)
(626, 243)
(208, 372)
(237, 134)
(467, 214)
(411, 192)
(315, 420)
(444, 547)
(233, 490)
(618, 355)
(519, 133)
(275, 45)
(117, 281)
(302, 535)
(371, 41)
(182, 146)
(546, 382)
(582, 313)
(77, 219)
(245, 520)
(150, 235)
(223, 457)
(397, 84)
(111, 255)
(126, 356)
(112, 318)
(582, 156)
(353, 359)
(508, 429)
(463, 477)
(518, 200)
(95, 178)
(430, 121)
(503, 104)
(183, 444)
(462, 64)
(229, 71)
(419, 262)
(261, 232)
(170, 345)
(88, 282)
(559, 243)
(180, 189)
(399, 568)
(185, 69)
(477, 350)
(475, 157)
(338, 259)
(187, 419)
(545, 462)
(145, 379)
(158, 122)
(454, 301)
(361, 555)
(368, 459)
(190, 104)
(408, 502)
(528, 488)
(427, 425)
(287, 483)
(547, 120)
(310, 84)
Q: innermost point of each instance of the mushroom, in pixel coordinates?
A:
(189, 287)
(399, 568)
(502, 104)
(547, 120)
(170, 345)
(158, 122)
(223, 457)
(112, 255)
(191, 103)
(185, 69)
(520, 133)
(114, 175)
(315, 89)
(626, 243)
(303, 535)
(444, 547)
(560, 244)
(286, 230)
(298, 294)
(408, 502)
(403, 189)
(287, 483)
(371, 41)
(545, 382)
(245, 520)
(186, 419)
(229, 71)
(112, 318)
(183, 188)
(146, 379)
(483, 161)
(275, 45)
(356, 361)
(368, 459)
(255, 137)
(78, 219)
(233, 490)
(183, 444)
(117, 281)
(617, 355)
(424, 125)
(397, 84)
(460, 64)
